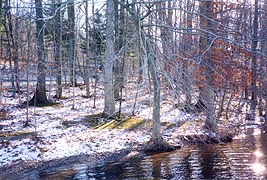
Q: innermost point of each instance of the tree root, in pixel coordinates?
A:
(38, 103)
(159, 146)
(208, 138)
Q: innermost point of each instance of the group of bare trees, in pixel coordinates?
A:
(209, 53)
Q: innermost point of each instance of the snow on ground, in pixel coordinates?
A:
(49, 138)
(55, 140)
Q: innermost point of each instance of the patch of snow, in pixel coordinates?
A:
(19, 150)
(54, 140)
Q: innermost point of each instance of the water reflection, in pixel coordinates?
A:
(257, 166)
(244, 158)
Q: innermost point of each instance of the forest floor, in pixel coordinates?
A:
(72, 130)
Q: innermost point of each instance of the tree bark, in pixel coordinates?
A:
(9, 36)
(87, 60)
(156, 131)
(165, 21)
(156, 143)
(264, 64)
(119, 42)
(16, 54)
(57, 48)
(188, 70)
(109, 108)
(254, 59)
(39, 98)
(207, 94)
(71, 36)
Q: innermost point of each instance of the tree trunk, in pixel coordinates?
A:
(71, 36)
(207, 94)
(166, 35)
(87, 60)
(9, 36)
(156, 131)
(39, 98)
(254, 60)
(189, 69)
(27, 122)
(119, 42)
(109, 108)
(156, 144)
(16, 54)
(57, 48)
(264, 50)
(95, 51)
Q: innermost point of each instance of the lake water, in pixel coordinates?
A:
(244, 158)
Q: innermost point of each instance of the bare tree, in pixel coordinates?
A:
(8, 27)
(119, 50)
(57, 46)
(264, 50)
(157, 142)
(16, 50)
(71, 38)
(254, 66)
(188, 68)
(206, 89)
(40, 98)
(109, 108)
(165, 14)
(87, 61)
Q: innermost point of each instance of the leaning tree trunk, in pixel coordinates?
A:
(39, 98)
(109, 108)
(156, 144)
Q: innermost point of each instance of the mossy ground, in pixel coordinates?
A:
(97, 122)
(16, 135)
(127, 123)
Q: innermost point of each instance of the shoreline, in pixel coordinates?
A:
(22, 168)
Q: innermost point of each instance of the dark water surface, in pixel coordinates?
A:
(244, 158)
